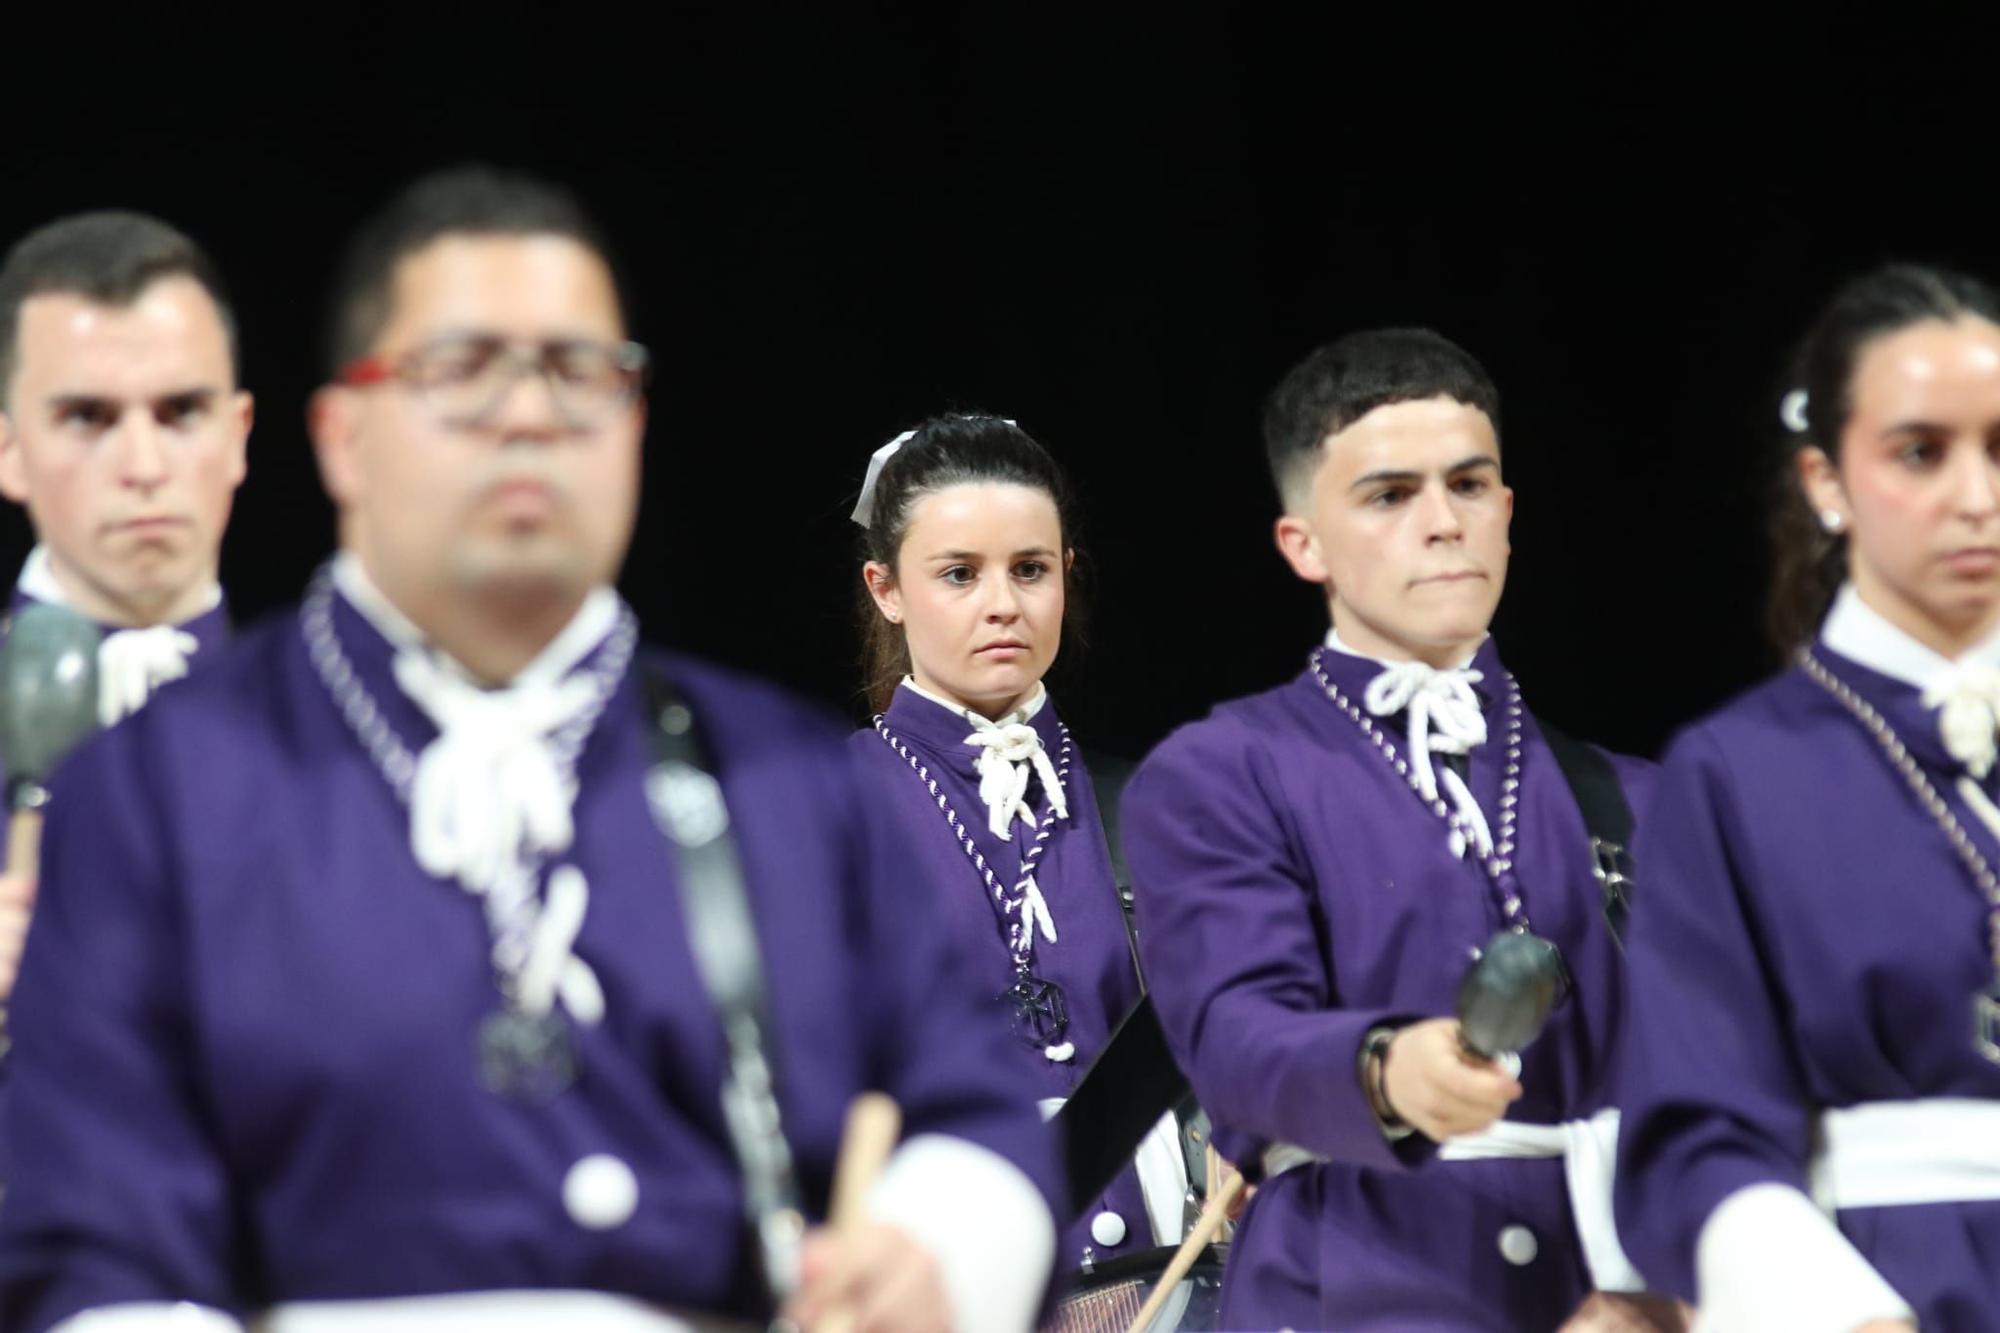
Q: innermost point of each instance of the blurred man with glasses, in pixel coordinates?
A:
(385, 991)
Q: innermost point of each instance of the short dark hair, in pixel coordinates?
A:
(474, 200)
(951, 450)
(1345, 380)
(1809, 562)
(110, 257)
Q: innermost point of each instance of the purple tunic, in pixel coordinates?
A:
(1294, 892)
(246, 1065)
(1804, 938)
(1091, 959)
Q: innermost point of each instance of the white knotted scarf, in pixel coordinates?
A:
(1967, 698)
(490, 804)
(1009, 755)
(1444, 718)
(131, 663)
(1966, 692)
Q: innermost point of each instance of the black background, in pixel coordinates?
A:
(1119, 228)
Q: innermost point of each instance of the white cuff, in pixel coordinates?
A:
(982, 1220)
(150, 1317)
(1767, 1258)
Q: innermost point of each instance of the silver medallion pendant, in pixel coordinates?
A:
(1986, 1024)
(1040, 1011)
(528, 1057)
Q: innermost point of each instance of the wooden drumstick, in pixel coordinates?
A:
(24, 843)
(874, 1123)
(1213, 1215)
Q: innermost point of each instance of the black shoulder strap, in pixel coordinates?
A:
(685, 794)
(1607, 818)
(1108, 778)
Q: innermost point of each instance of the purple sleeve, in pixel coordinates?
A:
(118, 1192)
(1226, 928)
(1711, 1095)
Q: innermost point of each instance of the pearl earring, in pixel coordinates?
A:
(1831, 520)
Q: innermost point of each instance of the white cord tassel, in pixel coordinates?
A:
(551, 968)
(1444, 717)
(1035, 908)
(132, 663)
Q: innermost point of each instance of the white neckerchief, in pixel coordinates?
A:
(131, 663)
(1965, 691)
(1010, 751)
(1444, 717)
(489, 802)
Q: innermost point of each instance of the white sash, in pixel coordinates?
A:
(1928, 1150)
(1589, 1149)
(461, 1312)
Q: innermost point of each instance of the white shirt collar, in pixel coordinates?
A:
(1860, 633)
(38, 580)
(1335, 642)
(1025, 713)
(586, 629)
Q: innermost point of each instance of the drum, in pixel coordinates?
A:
(1108, 1299)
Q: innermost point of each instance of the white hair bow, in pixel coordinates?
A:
(864, 505)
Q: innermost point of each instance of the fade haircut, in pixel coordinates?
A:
(1345, 380)
(460, 201)
(110, 258)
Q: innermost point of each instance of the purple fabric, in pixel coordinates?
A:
(1293, 892)
(246, 1067)
(1804, 937)
(1092, 957)
(211, 631)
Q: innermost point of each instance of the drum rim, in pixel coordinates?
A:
(1149, 1264)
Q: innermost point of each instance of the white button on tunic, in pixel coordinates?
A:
(600, 1192)
(1518, 1245)
(1107, 1228)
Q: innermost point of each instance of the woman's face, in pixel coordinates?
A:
(978, 590)
(1917, 487)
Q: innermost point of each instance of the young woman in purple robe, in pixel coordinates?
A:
(1317, 866)
(969, 545)
(1811, 1078)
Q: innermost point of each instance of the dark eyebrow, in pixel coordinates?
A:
(1411, 478)
(64, 402)
(1915, 428)
(1035, 550)
(200, 393)
(953, 555)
